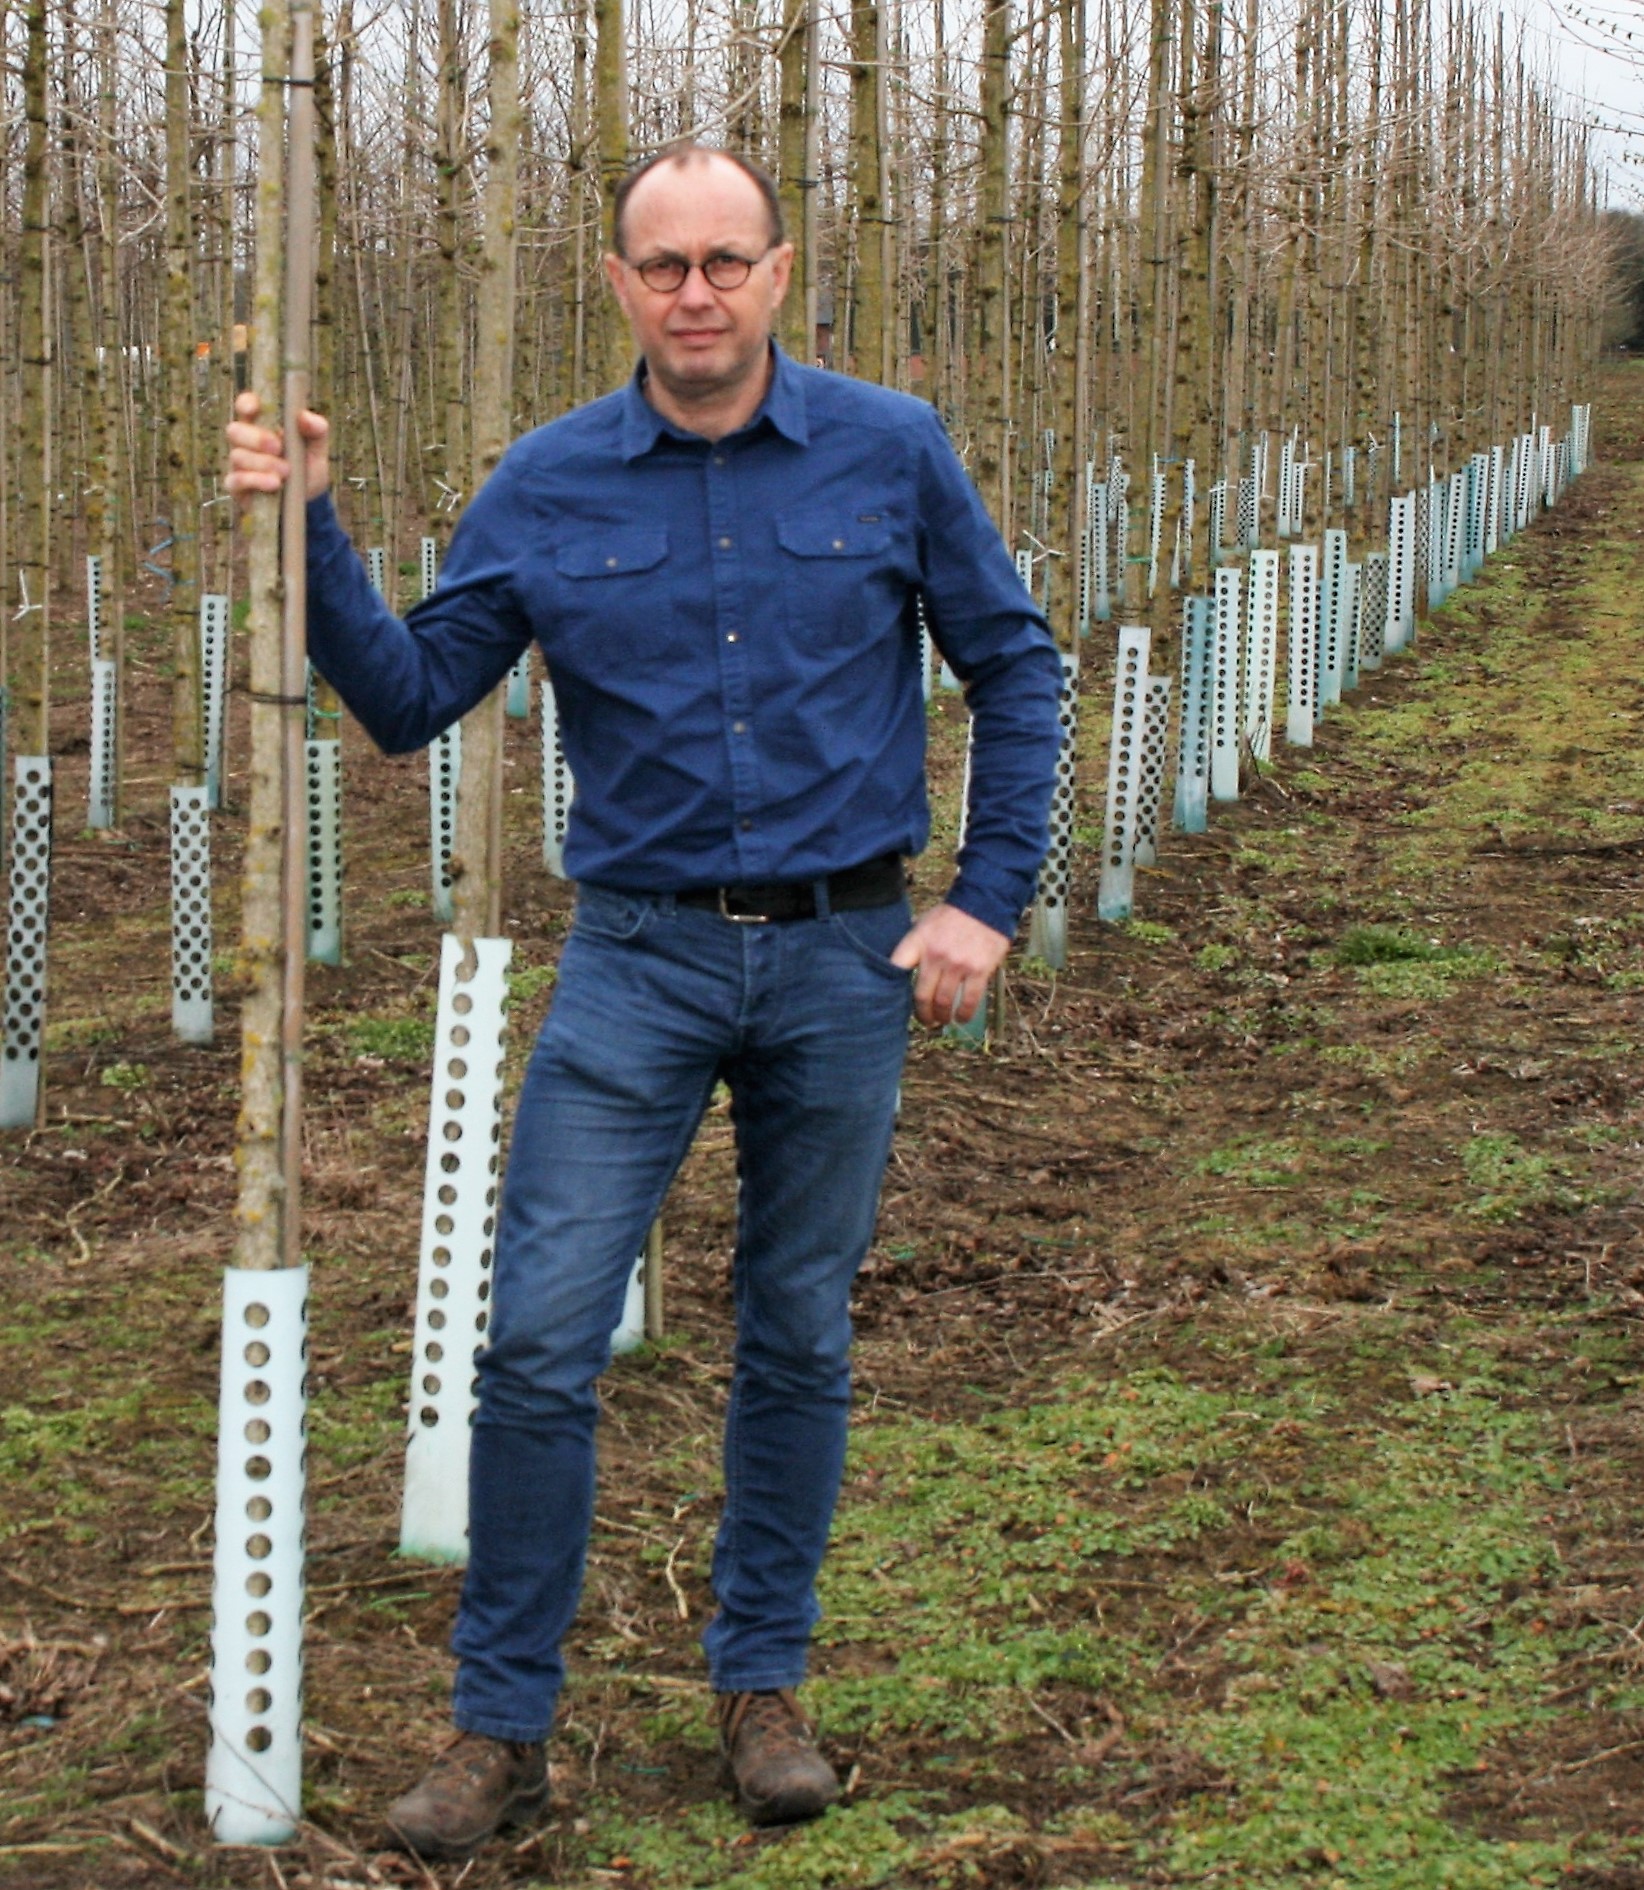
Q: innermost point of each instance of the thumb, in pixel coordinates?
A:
(909, 952)
(314, 427)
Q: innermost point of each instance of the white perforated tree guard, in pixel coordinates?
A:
(1047, 932)
(1353, 618)
(1523, 483)
(1261, 661)
(1349, 476)
(1082, 606)
(1332, 619)
(1304, 645)
(324, 763)
(1478, 488)
(1492, 499)
(557, 787)
(1155, 763)
(428, 561)
(1155, 531)
(214, 689)
(1247, 513)
(1226, 706)
(1401, 572)
(1181, 563)
(1455, 532)
(94, 604)
(1286, 525)
(459, 1215)
(1430, 526)
(519, 689)
(191, 1009)
(1371, 615)
(100, 800)
(1115, 892)
(376, 568)
(1218, 521)
(28, 915)
(444, 773)
(1191, 811)
(253, 1787)
(629, 1334)
(1101, 530)
(1398, 448)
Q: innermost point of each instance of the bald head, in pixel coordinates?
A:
(686, 157)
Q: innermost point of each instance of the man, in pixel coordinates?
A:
(722, 564)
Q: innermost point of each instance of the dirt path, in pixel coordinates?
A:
(1245, 1480)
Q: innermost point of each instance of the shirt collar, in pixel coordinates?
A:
(782, 408)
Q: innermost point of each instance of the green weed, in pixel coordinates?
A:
(403, 1039)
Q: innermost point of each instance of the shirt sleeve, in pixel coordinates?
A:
(995, 639)
(409, 681)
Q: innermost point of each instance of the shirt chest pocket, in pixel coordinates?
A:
(612, 584)
(839, 575)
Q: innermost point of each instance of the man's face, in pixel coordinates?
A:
(700, 343)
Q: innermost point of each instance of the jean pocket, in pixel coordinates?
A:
(602, 912)
(874, 933)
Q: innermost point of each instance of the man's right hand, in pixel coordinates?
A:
(256, 458)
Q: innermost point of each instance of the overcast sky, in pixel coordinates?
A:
(1584, 48)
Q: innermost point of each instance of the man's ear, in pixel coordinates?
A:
(616, 274)
(781, 272)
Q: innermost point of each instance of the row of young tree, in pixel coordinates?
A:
(1083, 227)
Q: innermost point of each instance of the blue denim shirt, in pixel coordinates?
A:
(731, 632)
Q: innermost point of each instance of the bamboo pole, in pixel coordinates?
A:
(299, 289)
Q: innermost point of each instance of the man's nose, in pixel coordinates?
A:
(696, 291)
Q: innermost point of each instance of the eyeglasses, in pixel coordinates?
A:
(722, 270)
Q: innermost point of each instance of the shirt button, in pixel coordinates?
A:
(724, 544)
(746, 826)
(610, 564)
(739, 728)
(730, 636)
(719, 459)
(839, 544)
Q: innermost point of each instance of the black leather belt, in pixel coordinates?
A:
(879, 882)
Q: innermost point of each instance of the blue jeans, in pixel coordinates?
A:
(806, 1023)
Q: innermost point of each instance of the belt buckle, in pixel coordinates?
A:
(740, 918)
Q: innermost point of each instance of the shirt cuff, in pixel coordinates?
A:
(999, 910)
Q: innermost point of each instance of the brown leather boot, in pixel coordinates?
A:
(476, 1786)
(771, 1758)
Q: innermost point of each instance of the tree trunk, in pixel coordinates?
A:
(182, 475)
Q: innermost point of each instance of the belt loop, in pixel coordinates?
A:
(824, 906)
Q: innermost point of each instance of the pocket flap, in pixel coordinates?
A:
(836, 537)
(612, 553)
